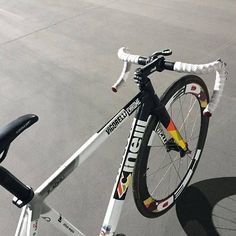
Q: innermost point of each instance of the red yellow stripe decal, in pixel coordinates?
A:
(176, 135)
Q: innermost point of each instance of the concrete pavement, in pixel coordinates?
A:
(58, 59)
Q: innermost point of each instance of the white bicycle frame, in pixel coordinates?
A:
(37, 208)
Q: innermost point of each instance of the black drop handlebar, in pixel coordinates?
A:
(153, 64)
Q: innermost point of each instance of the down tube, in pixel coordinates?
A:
(125, 172)
(88, 148)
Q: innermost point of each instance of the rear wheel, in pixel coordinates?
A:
(161, 171)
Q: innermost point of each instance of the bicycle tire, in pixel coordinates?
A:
(154, 201)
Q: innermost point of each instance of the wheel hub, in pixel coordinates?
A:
(171, 145)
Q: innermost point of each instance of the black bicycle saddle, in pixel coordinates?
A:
(9, 132)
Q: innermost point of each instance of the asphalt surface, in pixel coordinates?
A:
(58, 59)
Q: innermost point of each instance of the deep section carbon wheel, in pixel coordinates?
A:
(162, 171)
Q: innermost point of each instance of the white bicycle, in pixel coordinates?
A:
(164, 146)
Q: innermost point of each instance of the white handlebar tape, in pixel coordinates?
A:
(124, 55)
(216, 66)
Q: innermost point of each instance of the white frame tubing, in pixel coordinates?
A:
(25, 226)
(57, 220)
(31, 213)
(29, 227)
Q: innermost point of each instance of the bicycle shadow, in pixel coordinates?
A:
(195, 207)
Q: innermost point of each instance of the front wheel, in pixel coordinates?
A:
(161, 172)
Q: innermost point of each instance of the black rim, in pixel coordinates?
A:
(152, 205)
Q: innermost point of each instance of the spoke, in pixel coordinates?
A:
(184, 128)
(191, 158)
(194, 124)
(157, 146)
(162, 167)
(222, 228)
(161, 180)
(232, 199)
(177, 117)
(153, 174)
(187, 162)
(174, 166)
(223, 218)
(191, 139)
(180, 161)
(163, 176)
(187, 115)
(168, 189)
(226, 208)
